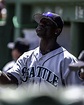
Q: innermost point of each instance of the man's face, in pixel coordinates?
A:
(45, 29)
(16, 54)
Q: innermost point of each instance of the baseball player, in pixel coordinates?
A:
(18, 47)
(48, 63)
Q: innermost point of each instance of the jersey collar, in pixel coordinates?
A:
(38, 54)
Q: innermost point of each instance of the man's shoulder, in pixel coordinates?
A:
(30, 53)
(68, 54)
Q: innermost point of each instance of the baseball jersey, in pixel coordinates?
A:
(8, 66)
(50, 69)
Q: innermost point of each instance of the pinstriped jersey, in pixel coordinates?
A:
(50, 69)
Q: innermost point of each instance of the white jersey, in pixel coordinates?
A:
(51, 68)
(8, 66)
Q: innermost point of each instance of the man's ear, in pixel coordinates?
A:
(58, 30)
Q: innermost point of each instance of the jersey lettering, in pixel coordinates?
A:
(25, 74)
(32, 73)
(41, 72)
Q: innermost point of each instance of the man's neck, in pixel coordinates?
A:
(48, 46)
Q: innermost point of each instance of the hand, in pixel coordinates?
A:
(78, 66)
(4, 78)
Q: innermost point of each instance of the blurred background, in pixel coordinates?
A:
(16, 20)
(35, 95)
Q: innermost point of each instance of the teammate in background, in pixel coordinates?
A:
(48, 63)
(18, 48)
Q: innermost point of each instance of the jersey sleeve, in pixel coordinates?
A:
(69, 77)
(19, 70)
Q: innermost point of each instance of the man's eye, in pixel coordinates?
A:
(47, 24)
(41, 25)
